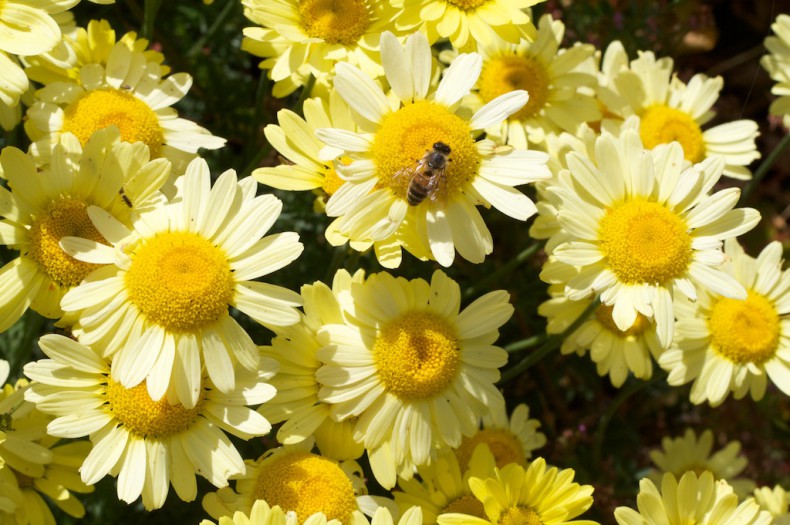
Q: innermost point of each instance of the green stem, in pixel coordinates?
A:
(32, 330)
(339, 255)
(223, 15)
(551, 344)
(762, 170)
(529, 342)
(149, 17)
(306, 90)
(257, 124)
(606, 417)
(505, 269)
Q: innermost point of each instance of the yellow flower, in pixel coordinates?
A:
(636, 226)
(691, 454)
(35, 464)
(147, 444)
(404, 355)
(299, 38)
(729, 345)
(374, 203)
(102, 83)
(776, 501)
(161, 306)
(777, 63)
(700, 500)
(44, 206)
(532, 495)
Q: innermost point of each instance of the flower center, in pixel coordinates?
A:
(661, 125)
(180, 281)
(335, 21)
(504, 445)
(145, 417)
(101, 108)
(417, 355)
(645, 242)
(467, 4)
(519, 516)
(604, 316)
(745, 331)
(504, 74)
(332, 180)
(407, 135)
(467, 504)
(65, 217)
(306, 483)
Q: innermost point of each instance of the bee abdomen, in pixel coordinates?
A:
(416, 194)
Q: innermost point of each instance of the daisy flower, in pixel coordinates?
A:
(299, 482)
(689, 453)
(729, 345)
(416, 371)
(776, 501)
(469, 23)
(665, 109)
(560, 87)
(161, 305)
(44, 206)
(101, 83)
(511, 440)
(615, 352)
(442, 486)
(294, 348)
(640, 226)
(147, 444)
(777, 63)
(402, 130)
(299, 38)
(34, 466)
(700, 500)
(534, 494)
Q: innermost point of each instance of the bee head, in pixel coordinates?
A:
(442, 147)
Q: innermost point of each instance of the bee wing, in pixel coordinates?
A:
(437, 188)
(410, 171)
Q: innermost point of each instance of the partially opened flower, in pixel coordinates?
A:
(636, 227)
(300, 38)
(469, 23)
(777, 63)
(689, 453)
(388, 191)
(161, 306)
(35, 467)
(665, 109)
(515, 494)
(415, 369)
(693, 499)
(729, 345)
(43, 206)
(101, 82)
(775, 500)
(147, 444)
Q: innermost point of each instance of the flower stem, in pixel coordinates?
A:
(503, 270)
(762, 170)
(223, 15)
(149, 17)
(551, 344)
(306, 90)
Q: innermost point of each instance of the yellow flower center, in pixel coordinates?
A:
(417, 355)
(144, 417)
(332, 180)
(519, 516)
(467, 504)
(645, 242)
(604, 316)
(661, 125)
(306, 483)
(180, 281)
(504, 445)
(335, 21)
(101, 108)
(745, 331)
(65, 217)
(504, 74)
(408, 134)
(467, 5)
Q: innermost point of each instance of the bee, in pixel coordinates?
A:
(427, 177)
(125, 198)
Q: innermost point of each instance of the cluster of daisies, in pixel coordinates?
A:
(147, 263)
